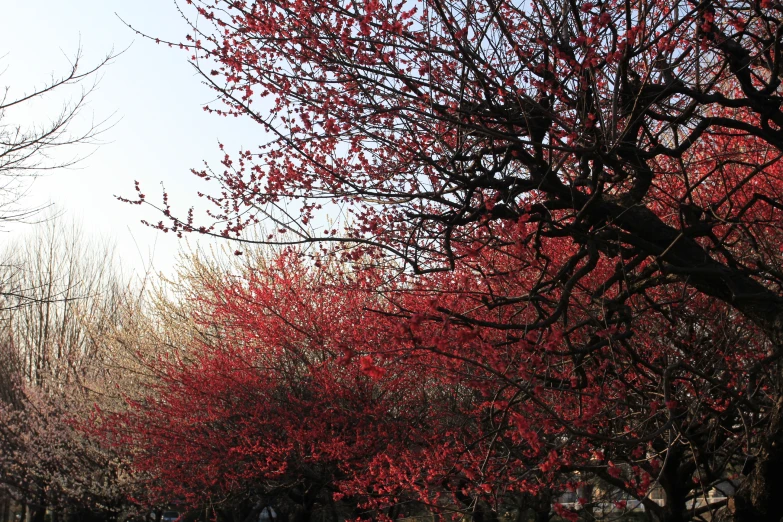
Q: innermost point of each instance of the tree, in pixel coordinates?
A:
(264, 400)
(47, 463)
(53, 305)
(336, 381)
(62, 296)
(65, 300)
(27, 150)
(628, 151)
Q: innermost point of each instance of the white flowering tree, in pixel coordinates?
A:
(67, 300)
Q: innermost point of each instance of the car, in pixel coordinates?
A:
(169, 516)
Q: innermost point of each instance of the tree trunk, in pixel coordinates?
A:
(302, 514)
(673, 478)
(674, 510)
(542, 516)
(757, 498)
(38, 514)
(484, 513)
(542, 505)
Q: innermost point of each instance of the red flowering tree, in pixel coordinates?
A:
(336, 389)
(623, 156)
(670, 394)
(271, 400)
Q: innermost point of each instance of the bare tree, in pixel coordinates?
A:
(63, 296)
(29, 149)
(66, 297)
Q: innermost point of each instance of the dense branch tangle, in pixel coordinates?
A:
(573, 163)
(648, 132)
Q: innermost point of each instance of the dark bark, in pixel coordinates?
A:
(542, 516)
(38, 514)
(333, 516)
(484, 513)
(758, 497)
(301, 514)
(673, 483)
(542, 504)
(684, 257)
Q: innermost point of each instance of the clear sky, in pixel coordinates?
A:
(152, 95)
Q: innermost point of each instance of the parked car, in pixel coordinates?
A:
(169, 516)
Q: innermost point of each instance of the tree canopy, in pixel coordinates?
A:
(568, 209)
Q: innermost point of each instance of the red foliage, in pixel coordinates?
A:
(589, 192)
(374, 392)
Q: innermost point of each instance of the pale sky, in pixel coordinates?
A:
(155, 98)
